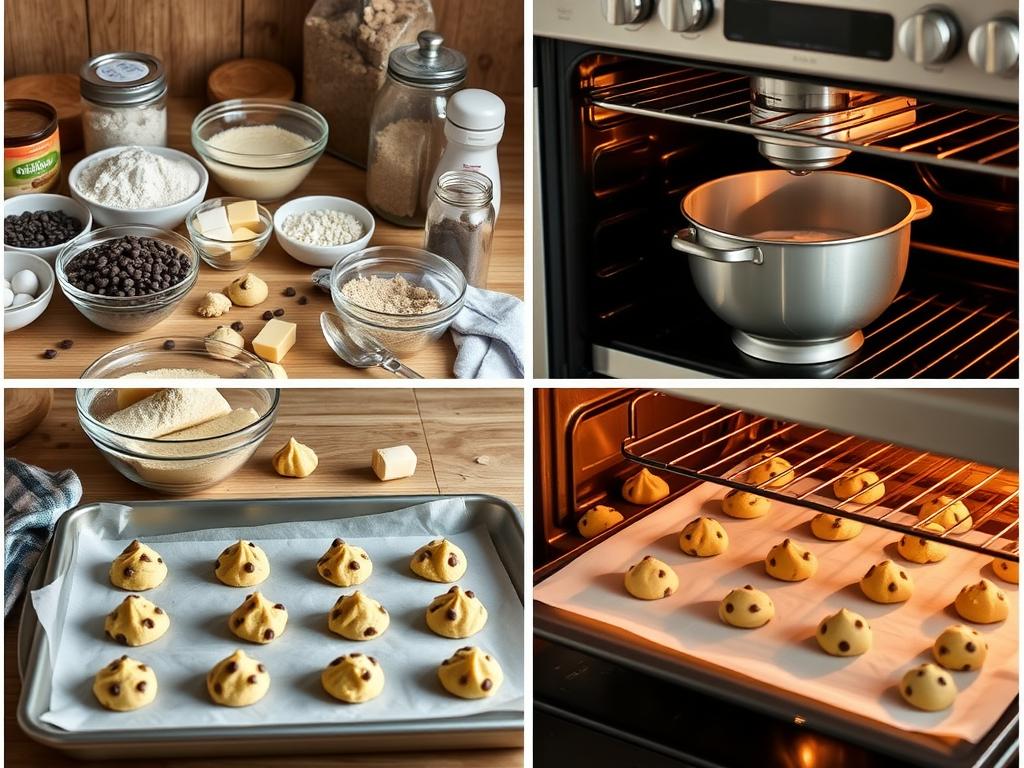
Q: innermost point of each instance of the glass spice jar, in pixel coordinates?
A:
(124, 97)
(460, 223)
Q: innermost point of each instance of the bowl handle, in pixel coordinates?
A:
(685, 240)
(922, 208)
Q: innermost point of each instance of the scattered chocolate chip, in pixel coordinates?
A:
(169, 344)
(268, 315)
(303, 300)
(289, 291)
(66, 344)
(238, 326)
(278, 312)
(50, 354)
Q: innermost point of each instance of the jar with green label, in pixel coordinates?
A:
(31, 147)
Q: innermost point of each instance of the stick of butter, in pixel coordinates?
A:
(244, 213)
(274, 341)
(393, 463)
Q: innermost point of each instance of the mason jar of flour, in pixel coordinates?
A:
(124, 100)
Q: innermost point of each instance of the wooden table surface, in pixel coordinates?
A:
(448, 429)
(310, 357)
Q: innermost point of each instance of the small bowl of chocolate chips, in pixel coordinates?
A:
(42, 224)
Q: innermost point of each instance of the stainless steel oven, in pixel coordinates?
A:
(640, 102)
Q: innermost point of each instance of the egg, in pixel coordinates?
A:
(22, 298)
(8, 297)
(7, 283)
(25, 281)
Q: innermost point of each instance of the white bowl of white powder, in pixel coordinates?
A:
(320, 230)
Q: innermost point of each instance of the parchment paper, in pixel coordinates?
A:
(199, 606)
(784, 653)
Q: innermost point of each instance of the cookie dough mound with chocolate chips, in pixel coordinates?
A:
(440, 560)
(773, 471)
(960, 648)
(1007, 570)
(651, 579)
(456, 614)
(243, 564)
(358, 617)
(354, 678)
(789, 561)
(928, 687)
(138, 568)
(125, 684)
(644, 488)
(258, 620)
(745, 505)
(237, 681)
(844, 633)
(859, 485)
(471, 673)
(835, 528)
(703, 537)
(954, 517)
(886, 582)
(746, 608)
(136, 621)
(982, 603)
(917, 549)
(598, 520)
(344, 565)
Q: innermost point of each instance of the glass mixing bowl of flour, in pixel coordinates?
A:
(190, 357)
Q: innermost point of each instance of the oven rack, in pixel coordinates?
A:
(819, 456)
(904, 127)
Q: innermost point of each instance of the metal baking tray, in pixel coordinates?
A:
(154, 518)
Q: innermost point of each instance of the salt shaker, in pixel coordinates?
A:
(460, 223)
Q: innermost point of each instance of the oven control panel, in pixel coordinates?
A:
(959, 47)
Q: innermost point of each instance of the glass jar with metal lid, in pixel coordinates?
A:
(460, 223)
(124, 101)
(407, 127)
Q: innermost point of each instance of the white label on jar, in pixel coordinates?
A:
(122, 70)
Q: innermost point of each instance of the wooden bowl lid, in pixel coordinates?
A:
(250, 79)
(59, 91)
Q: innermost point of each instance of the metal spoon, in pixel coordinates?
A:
(361, 353)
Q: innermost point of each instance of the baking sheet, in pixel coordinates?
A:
(199, 605)
(784, 653)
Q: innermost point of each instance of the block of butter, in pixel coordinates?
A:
(245, 213)
(212, 220)
(274, 341)
(393, 463)
(243, 250)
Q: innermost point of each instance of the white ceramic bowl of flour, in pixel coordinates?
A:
(127, 188)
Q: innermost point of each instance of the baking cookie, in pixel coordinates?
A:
(703, 537)
(237, 681)
(774, 472)
(844, 633)
(353, 678)
(345, 564)
(247, 291)
(258, 620)
(920, 550)
(358, 617)
(470, 673)
(982, 603)
(136, 621)
(138, 568)
(651, 579)
(954, 517)
(789, 561)
(960, 648)
(125, 684)
(887, 583)
(859, 485)
(440, 560)
(835, 528)
(745, 505)
(1006, 569)
(598, 520)
(243, 564)
(456, 614)
(747, 608)
(928, 687)
(644, 488)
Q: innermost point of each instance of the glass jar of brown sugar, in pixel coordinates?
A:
(31, 147)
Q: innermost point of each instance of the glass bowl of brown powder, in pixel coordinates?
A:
(402, 298)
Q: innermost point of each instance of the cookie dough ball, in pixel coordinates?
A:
(775, 472)
(125, 684)
(440, 560)
(886, 582)
(644, 488)
(960, 648)
(1006, 569)
(745, 505)
(243, 564)
(789, 561)
(258, 620)
(136, 621)
(917, 549)
(295, 460)
(747, 608)
(982, 603)
(651, 579)
(227, 335)
(844, 633)
(598, 520)
(456, 614)
(358, 617)
(247, 291)
(859, 485)
(344, 564)
(237, 681)
(703, 537)
(354, 678)
(955, 518)
(835, 528)
(928, 687)
(471, 673)
(138, 568)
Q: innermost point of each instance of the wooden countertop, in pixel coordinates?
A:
(448, 429)
(310, 357)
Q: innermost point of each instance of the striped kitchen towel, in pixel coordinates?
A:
(33, 501)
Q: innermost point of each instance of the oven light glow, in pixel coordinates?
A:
(807, 756)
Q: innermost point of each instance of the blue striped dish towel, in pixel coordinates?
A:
(34, 499)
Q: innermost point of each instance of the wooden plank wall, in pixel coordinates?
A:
(194, 36)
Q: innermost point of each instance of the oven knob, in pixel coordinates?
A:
(930, 36)
(685, 15)
(620, 12)
(994, 47)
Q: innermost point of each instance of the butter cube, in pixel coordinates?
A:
(393, 463)
(273, 342)
(245, 250)
(245, 214)
(220, 233)
(211, 220)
